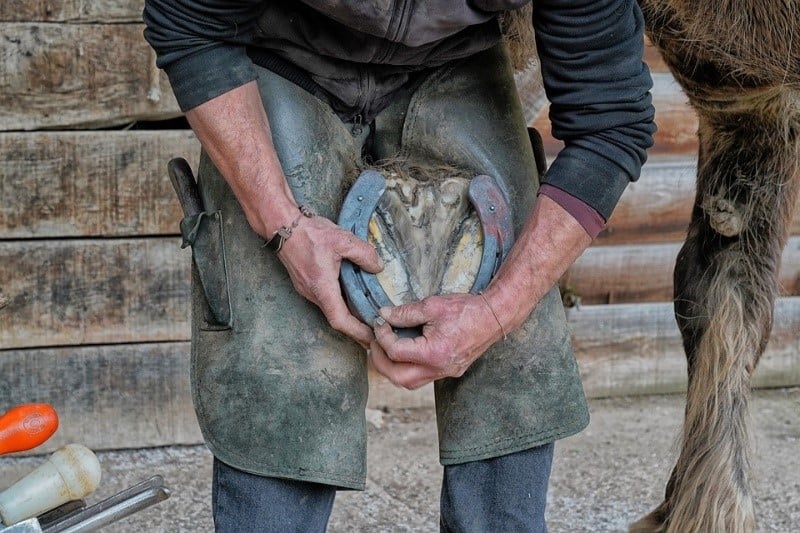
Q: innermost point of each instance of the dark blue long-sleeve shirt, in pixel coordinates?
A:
(590, 51)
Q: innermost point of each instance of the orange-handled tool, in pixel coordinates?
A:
(26, 426)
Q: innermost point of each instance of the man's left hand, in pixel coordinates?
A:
(456, 330)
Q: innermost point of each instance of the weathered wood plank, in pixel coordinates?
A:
(93, 292)
(138, 395)
(636, 349)
(133, 290)
(79, 11)
(58, 66)
(117, 396)
(70, 75)
(643, 273)
(677, 122)
(113, 183)
(80, 184)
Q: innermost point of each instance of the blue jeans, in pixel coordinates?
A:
(507, 493)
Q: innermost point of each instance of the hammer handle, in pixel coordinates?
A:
(26, 426)
(180, 174)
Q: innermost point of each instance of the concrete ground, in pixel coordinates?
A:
(602, 479)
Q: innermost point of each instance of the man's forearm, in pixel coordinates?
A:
(234, 130)
(549, 243)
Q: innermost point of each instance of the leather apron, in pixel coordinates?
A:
(279, 393)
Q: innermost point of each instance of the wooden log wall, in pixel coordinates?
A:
(94, 289)
(93, 284)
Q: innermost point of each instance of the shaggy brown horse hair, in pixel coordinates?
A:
(738, 61)
(739, 64)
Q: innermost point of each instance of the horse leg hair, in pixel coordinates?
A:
(725, 288)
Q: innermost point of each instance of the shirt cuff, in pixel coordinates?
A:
(586, 216)
(210, 72)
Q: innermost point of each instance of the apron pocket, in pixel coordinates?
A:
(203, 232)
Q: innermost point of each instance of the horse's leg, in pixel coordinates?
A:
(725, 287)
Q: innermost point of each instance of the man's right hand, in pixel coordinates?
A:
(313, 257)
(234, 130)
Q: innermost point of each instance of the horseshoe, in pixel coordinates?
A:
(363, 290)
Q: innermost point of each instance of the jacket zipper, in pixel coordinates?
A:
(397, 25)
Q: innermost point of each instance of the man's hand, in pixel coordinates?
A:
(313, 257)
(234, 130)
(456, 330)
